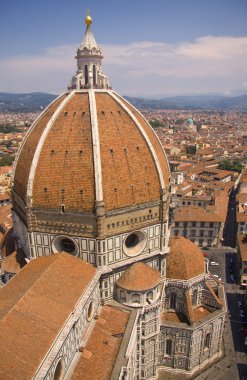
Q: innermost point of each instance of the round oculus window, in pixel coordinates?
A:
(134, 243)
(65, 244)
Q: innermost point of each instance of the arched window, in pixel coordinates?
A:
(207, 340)
(94, 75)
(194, 297)
(122, 295)
(136, 298)
(58, 374)
(168, 347)
(86, 74)
(150, 296)
(173, 300)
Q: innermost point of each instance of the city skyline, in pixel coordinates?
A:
(149, 51)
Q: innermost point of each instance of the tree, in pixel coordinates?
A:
(235, 166)
(9, 129)
(6, 160)
(179, 121)
(155, 123)
(225, 165)
(190, 149)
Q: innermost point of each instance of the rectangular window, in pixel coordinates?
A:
(200, 242)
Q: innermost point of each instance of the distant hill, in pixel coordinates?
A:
(214, 102)
(36, 101)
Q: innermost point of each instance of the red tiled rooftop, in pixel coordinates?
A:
(46, 289)
(185, 259)
(139, 277)
(98, 358)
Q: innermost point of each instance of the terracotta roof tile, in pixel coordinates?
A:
(28, 149)
(139, 277)
(98, 358)
(155, 142)
(13, 262)
(7, 244)
(46, 289)
(127, 178)
(5, 217)
(177, 317)
(185, 259)
(65, 168)
(194, 214)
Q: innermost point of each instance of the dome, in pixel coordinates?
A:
(88, 146)
(91, 177)
(190, 121)
(139, 277)
(185, 260)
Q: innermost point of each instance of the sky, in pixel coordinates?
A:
(157, 48)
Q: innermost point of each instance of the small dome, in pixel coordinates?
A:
(185, 260)
(139, 277)
(190, 121)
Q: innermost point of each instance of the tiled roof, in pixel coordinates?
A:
(139, 277)
(177, 317)
(28, 150)
(5, 217)
(7, 244)
(65, 172)
(34, 306)
(4, 196)
(241, 217)
(185, 259)
(13, 262)
(98, 358)
(241, 197)
(5, 169)
(195, 314)
(196, 213)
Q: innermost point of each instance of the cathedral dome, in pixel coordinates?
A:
(185, 259)
(90, 145)
(91, 167)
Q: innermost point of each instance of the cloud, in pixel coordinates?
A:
(207, 65)
(50, 71)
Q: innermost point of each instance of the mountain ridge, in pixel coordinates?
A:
(36, 101)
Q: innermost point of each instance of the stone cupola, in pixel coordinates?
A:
(89, 57)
